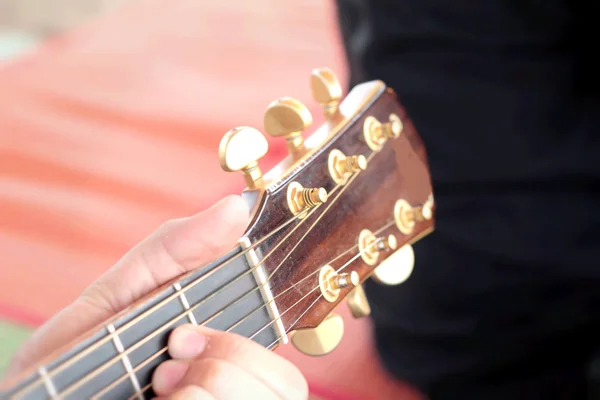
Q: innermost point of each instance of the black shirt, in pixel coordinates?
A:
(504, 301)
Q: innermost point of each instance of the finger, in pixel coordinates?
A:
(188, 393)
(175, 248)
(188, 342)
(224, 380)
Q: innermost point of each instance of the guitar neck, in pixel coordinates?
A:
(117, 360)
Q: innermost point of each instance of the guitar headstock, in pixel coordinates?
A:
(343, 207)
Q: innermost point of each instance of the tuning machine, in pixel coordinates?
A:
(287, 117)
(240, 149)
(376, 133)
(341, 166)
(326, 91)
(406, 216)
(320, 340)
(396, 268)
(358, 302)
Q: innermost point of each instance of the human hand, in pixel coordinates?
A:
(210, 363)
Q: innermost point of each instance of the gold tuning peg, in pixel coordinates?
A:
(358, 303)
(376, 133)
(288, 117)
(397, 267)
(406, 215)
(240, 149)
(320, 340)
(326, 90)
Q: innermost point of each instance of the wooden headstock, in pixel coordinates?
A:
(344, 206)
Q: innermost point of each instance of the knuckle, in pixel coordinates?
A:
(98, 296)
(212, 374)
(233, 347)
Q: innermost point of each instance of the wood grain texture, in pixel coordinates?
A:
(398, 171)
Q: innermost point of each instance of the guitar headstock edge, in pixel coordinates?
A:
(368, 142)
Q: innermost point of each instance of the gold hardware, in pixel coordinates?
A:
(397, 267)
(377, 133)
(330, 282)
(341, 166)
(240, 149)
(320, 340)
(427, 209)
(300, 199)
(367, 247)
(326, 90)
(406, 215)
(287, 117)
(358, 303)
(387, 243)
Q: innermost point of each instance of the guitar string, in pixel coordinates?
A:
(169, 323)
(107, 364)
(164, 349)
(315, 288)
(341, 268)
(148, 386)
(157, 306)
(187, 287)
(386, 226)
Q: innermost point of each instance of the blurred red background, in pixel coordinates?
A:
(112, 129)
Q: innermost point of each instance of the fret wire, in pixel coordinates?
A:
(185, 304)
(127, 325)
(173, 320)
(135, 370)
(330, 204)
(122, 328)
(148, 386)
(164, 349)
(124, 360)
(50, 388)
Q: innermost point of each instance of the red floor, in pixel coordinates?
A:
(113, 129)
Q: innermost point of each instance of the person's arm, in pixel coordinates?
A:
(204, 362)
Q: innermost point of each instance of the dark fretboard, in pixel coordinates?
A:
(118, 361)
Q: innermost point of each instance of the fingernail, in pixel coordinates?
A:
(168, 375)
(186, 343)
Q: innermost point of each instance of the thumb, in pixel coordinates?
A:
(175, 248)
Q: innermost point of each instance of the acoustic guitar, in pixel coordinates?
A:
(344, 206)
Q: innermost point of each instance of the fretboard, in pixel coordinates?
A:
(117, 361)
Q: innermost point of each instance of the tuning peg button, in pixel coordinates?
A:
(287, 117)
(320, 340)
(240, 149)
(358, 303)
(396, 268)
(326, 90)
